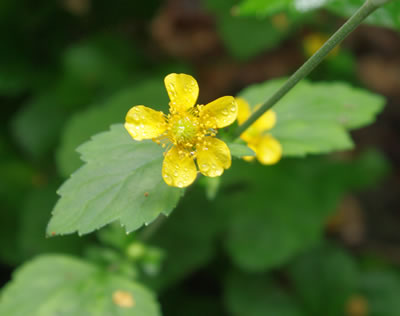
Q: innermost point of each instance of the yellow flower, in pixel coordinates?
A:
(188, 129)
(268, 150)
(314, 41)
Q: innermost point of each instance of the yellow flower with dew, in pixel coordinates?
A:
(188, 131)
(267, 149)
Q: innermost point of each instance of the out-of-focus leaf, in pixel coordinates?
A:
(101, 63)
(325, 279)
(17, 179)
(121, 180)
(235, 34)
(257, 295)
(61, 285)
(195, 304)
(188, 239)
(34, 216)
(276, 212)
(234, 30)
(36, 127)
(387, 16)
(380, 288)
(99, 117)
(91, 70)
(240, 150)
(315, 117)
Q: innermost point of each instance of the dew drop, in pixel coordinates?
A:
(205, 167)
(233, 109)
(167, 179)
(224, 112)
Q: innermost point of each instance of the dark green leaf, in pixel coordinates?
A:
(276, 212)
(325, 279)
(381, 288)
(188, 239)
(257, 295)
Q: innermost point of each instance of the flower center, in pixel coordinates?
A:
(183, 129)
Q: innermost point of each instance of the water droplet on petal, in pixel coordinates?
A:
(205, 167)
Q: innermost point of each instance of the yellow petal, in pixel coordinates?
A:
(250, 158)
(144, 123)
(220, 113)
(178, 170)
(243, 110)
(265, 122)
(268, 150)
(182, 90)
(213, 157)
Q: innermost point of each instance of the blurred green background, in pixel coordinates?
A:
(313, 236)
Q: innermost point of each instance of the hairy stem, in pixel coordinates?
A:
(368, 7)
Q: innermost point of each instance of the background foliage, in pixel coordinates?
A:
(316, 234)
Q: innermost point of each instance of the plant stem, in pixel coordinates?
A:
(368, 7)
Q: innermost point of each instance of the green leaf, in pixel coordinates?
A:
(121, 180)
(257, 295)
(234, 30)
(315, 117)
(240, 150)
(188, 239)
(334, 277)
(235, 35)
(61, 285)
(282, 210)
(388, 15)
(17, 177)
(380, 287)
(80, 128)
(36, 127)
(34, 216)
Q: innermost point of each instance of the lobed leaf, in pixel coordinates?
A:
(61, 285)
(121, 180)
(100, 116)
(315, 117)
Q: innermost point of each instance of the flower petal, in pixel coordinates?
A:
(179, 169)
(183, 91)
(220, 113)
(250, 158)
(266, 121)
(144, 123)
(268, 150)
(213, 157)
(243, 110)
